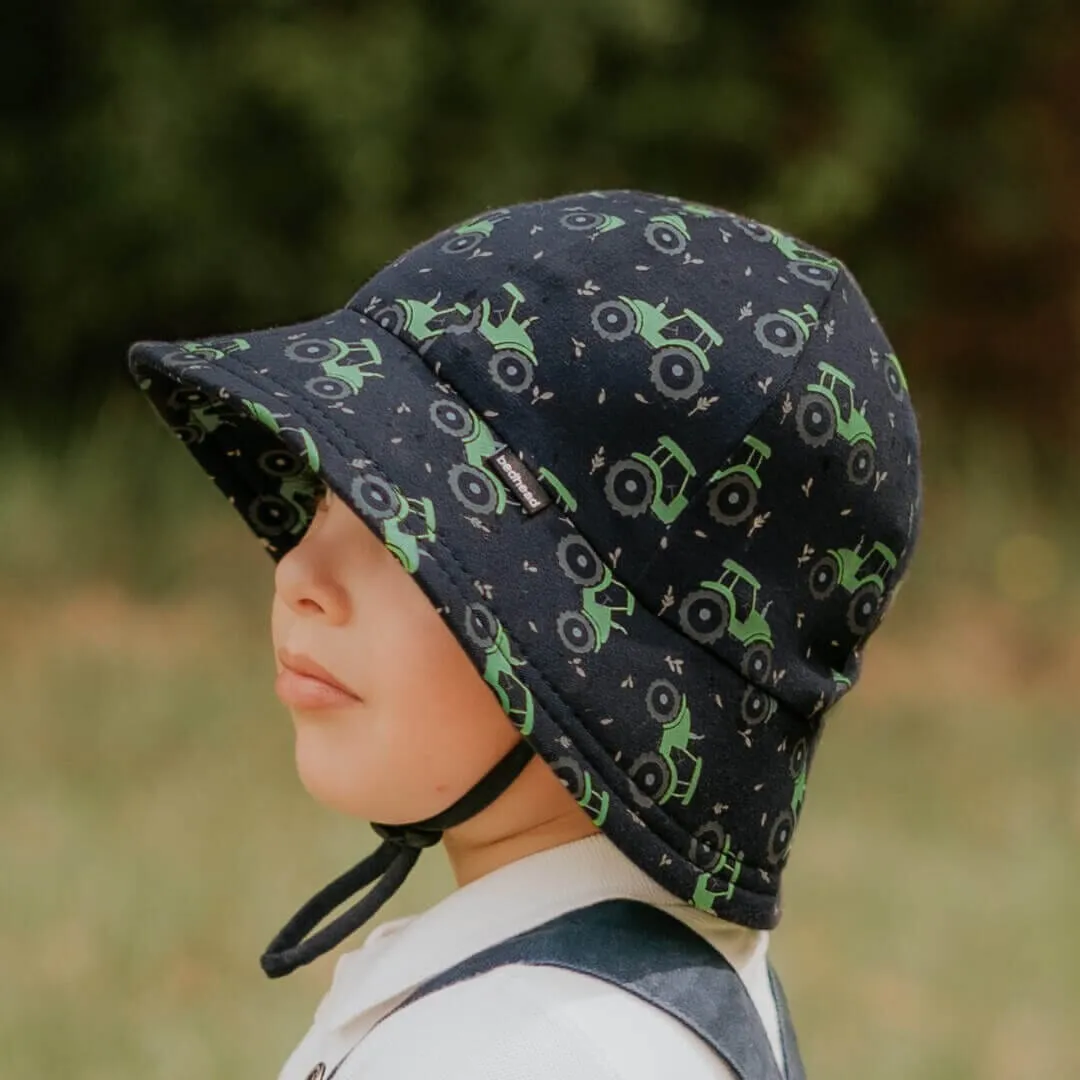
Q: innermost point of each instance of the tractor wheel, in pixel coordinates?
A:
(451, 417)
(812, 273)
(815, 419)
(579, 561)
(462, 243)
(733, 499)
(676, 372)
(860, 463)
(473, 488)
(375, 497)
(893, 379)
(704, 616)
(757, 662)
(312, 350)
(328, 388)
(188, 434)
(481, 626)
(755, 230)
(188, 398)
(707, 846)
(863, 610)
(780, 837)
(629, 487)
(798, 758)
(651, 775)
(613, 320)
(664, 238)
(756, 706)
(824, 575)
(662, 700)
(187, 358)
(576, 632)
(392, 318)
(571, 775)
(272, 515)
(280, 463)
(780, 334)
(581, 220)
(511, 370)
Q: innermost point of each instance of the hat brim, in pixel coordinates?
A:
(271, 414)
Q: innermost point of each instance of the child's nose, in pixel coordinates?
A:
(306, 586)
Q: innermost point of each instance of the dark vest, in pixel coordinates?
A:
(653, 955)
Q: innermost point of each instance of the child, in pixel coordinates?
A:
(582, 512)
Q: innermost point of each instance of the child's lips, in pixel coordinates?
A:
(309, 692)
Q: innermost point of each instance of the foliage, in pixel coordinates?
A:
(169, 170)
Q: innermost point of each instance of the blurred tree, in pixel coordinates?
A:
(177, 169)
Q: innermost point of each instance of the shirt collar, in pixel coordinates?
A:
(399, 955)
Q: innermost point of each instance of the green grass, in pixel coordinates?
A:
(156, 835)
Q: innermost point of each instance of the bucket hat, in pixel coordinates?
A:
(656, 465)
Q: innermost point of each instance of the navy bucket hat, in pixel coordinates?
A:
(655, 464)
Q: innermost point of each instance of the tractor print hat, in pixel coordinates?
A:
(654, 463)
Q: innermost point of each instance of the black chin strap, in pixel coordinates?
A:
(388, 866)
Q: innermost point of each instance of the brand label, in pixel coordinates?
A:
(530, 493)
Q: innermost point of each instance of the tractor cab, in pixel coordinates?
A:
(758, 454)
(878, 563)
(707, 336)
(747, 623)
(508, 332)
(851, 423)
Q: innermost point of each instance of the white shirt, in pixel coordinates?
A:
(519, 1021)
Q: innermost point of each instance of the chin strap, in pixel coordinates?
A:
(388, 866)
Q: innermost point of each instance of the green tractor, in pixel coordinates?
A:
(674, 770)
(780, 835)
(383, 502)
(827, 408)
(473, 484)
(203, 415)
(585, 631)
(196, 353)
(734, 492)
(513, 362)
(678, 363)
(338, 380)
(470, 234)
(578, 219)
(727, 865)
(291, 507)
(265, 417)
(861, 576)
(813, 267)
(423, 321)
(800, 758)
(667, 233)
(562, 495)
(483, 629)
(730, 605)
(894, 377)
(785, 332)
(579, 782)
(636, 484)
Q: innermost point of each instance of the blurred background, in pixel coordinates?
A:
(189, 168)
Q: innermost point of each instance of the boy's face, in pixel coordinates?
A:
(421, 726)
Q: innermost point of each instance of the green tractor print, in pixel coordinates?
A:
(800, 760)
(784, 332)
(385, 503)
(472, 233)
(473, 484)
(579, 782)
(733, 495)
(827, 408)
(203, 414)
(636, 484)
(265, 417)
(861, 576)
(783, 826)
(513, 363)
(196, 353)
(667, 233)
(485, 630)
(894, 377)
(678, 363)
(578, 219)
(726, 867)
(813, 267)
(292, 506)
(338, 380)
(423, 322)
(560, 492)
(730, 605)
(673, 771)
(586, 631)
